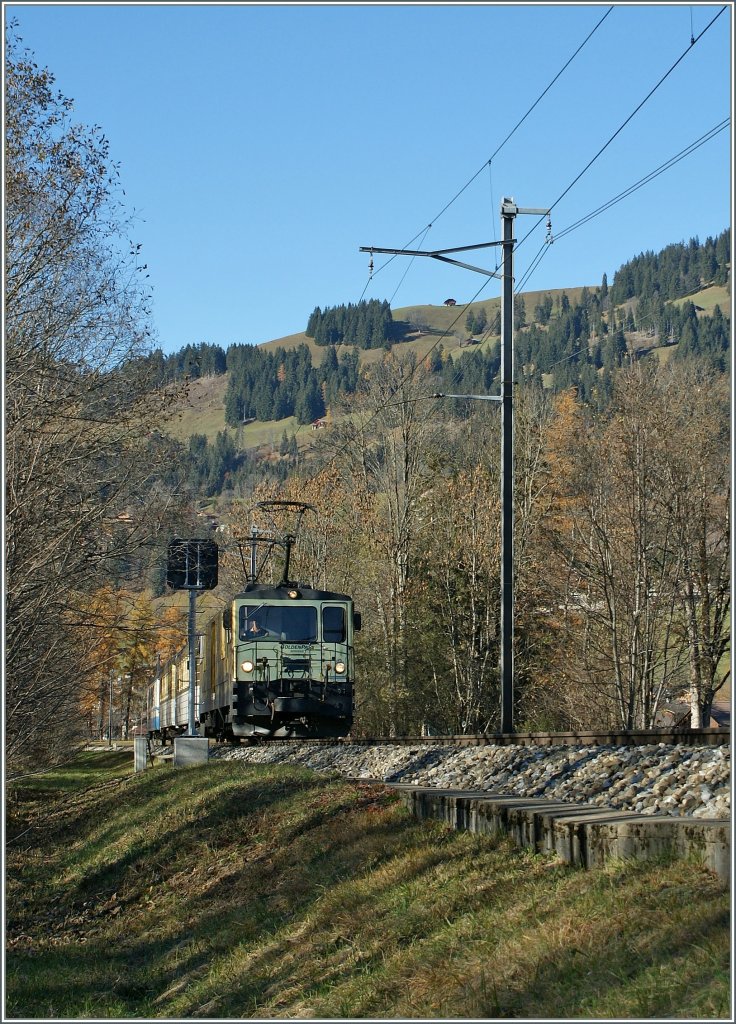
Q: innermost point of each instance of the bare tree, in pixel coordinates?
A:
(640, 524)
(382, 458)
(458, 632)
(697, 463)
(78, 410)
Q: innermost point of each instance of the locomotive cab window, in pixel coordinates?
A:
(296, 624)
(333, 624)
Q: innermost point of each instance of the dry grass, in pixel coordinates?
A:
(708, 299)
(236, 891)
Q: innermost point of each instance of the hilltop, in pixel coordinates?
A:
(425, 327)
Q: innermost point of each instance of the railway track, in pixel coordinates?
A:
(619, 738)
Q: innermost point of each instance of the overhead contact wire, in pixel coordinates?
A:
(498, 149)
(647, 178)
(520, 122)
(621, 127)
(671, 162)
(540, 255)
(543, 250)
(543, 94)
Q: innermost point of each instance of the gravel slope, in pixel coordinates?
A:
(658, 779)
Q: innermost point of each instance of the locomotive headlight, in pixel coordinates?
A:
(247, 666)
(339, 667)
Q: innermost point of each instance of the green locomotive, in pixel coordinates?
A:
(279, 663)
(293, 664)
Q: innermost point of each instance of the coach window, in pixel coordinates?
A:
(333, 624)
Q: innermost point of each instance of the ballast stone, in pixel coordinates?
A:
(653, 779)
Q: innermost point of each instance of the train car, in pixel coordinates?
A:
(174, 699)
(279, 663)
(153, 705)
(167, 699)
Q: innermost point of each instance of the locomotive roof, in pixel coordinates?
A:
(269, 592)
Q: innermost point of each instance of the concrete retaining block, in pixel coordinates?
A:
(140, 753)
(584, 836)
(190, 750)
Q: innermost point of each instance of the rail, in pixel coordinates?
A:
(616, 738)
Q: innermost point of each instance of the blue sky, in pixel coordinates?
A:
(262, 144)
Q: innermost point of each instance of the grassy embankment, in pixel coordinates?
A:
(237, 891)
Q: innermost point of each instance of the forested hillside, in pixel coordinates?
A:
(560, 342)
(674, 272)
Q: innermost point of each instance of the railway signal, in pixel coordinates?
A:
(192, 565)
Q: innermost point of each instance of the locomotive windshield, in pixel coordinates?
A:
(296, 624)
(333, 624)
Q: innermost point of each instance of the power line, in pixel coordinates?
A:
(621, 127)
(671, 162)
(600, 151)
(688, 150)
(542, 251)
(522, 119)
(498, 149)
(408, 266)
(649, 177)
